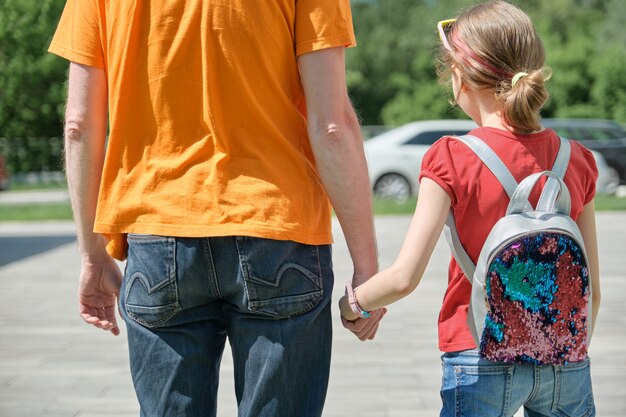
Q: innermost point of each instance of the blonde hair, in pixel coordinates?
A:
(491, 44)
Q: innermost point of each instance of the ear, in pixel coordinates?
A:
(458, 78)
(456, 73)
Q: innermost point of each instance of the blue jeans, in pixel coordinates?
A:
(182, 297)
(476, 387)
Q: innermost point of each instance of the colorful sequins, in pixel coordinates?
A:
(537, 291)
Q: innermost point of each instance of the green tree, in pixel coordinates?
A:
(32, 82)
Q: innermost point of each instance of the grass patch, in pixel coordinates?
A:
(610, 203)
(35, 212)
(388, 207)
(63, 210)
(36, 187)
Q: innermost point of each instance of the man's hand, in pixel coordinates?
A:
(365, 329)
(99, 287)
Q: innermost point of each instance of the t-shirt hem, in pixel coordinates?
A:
(214, 231)
(446, 187)
(456, 346)
(75, 56)
(324, 43)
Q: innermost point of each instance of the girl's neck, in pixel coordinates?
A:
(488, 113)
(493, 120)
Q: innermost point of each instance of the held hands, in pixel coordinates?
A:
(99, 287)
(363, 328)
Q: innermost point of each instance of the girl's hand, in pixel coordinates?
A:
(365, 329)
(346, 310)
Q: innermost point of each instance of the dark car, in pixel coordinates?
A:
(4, 175)
(604, 136)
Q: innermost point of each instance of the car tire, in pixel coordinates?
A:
(393, 187)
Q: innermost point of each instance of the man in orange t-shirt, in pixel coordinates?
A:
(230, 136)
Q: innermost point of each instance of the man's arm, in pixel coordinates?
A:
(85, 136)
(338, 148)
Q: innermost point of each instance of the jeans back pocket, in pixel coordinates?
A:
(282, 278)
(573, 391)
(150, 290)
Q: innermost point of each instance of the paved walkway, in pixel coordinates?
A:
(51, 364)
(36, 196)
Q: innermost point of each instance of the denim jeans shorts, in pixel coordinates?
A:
(476, 387)
(181, 298)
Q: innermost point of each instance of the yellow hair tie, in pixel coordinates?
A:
(518, 77)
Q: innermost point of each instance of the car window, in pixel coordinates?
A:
(428, 138)
(588, 132)
(566, 133)
(601, 134)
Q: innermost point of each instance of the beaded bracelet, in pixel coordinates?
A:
(354, 304)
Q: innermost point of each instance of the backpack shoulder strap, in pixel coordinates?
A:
(492, 161)
(562, 159)
(458, 251)
(552, 188)
(502, 174)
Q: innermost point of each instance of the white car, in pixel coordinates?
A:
(608, 178)
(395, 157)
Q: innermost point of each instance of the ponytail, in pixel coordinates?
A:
(523, 99)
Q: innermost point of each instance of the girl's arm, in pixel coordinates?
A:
(587, 225)
(401, 278)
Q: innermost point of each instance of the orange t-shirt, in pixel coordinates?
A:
(206, 114)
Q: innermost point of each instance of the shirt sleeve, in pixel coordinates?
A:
(77, 37)
(322, 24)
(438, 165)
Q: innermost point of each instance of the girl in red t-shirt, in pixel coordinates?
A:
(495, 60)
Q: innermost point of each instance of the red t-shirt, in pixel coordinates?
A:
(479, 201)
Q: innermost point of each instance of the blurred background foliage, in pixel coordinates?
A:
(32, 82)
(391, 74)
(392, 78)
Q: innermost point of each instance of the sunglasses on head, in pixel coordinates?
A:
(444, 27)
(469, 57)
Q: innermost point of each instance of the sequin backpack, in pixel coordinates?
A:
(531, 292)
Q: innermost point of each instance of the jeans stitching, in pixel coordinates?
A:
(212, 278)
(241, 254)
(174, 272)
(536, 384)
(310, 275)
(557, 390)
(457, 394)
(316, 249)
(507, 390)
